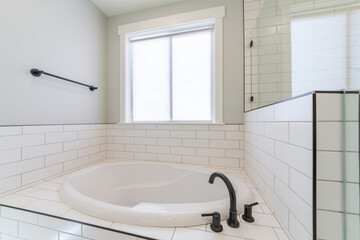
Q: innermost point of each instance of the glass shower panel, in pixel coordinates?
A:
(325, 52)
(270, 55)
(253, 89)
(351, 203)
(300, 47)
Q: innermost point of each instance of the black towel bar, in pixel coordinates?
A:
(37, 73)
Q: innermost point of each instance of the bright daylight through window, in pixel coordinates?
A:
(171, 68)
(172, 78)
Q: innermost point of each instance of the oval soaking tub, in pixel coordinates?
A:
(151, 194)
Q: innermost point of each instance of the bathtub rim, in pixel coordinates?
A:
(67, 191)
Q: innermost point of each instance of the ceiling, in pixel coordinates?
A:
(118, 7)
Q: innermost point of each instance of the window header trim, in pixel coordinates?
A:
(188, 17)
(171, 31)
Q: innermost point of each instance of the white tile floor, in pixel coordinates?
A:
(44, 198)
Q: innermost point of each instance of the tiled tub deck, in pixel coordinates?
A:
(48, 215)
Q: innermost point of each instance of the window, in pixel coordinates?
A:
(172, 72)
(172, 77)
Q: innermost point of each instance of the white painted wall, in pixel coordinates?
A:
(233, 53)
(63, 37)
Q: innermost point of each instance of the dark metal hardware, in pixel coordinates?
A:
(37, 73)
(216, 218)
(251, 43)
(251, 98)
(232, 221)
(247, 216)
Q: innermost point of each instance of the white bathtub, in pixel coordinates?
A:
(151, 194)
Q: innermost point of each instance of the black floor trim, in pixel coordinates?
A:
(75, 221)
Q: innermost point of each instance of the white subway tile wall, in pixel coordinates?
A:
(31, 154)
(198, 144)
(278, 158)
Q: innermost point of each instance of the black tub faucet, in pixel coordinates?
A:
(232, 221)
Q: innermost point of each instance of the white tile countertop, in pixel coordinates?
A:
(44, 198)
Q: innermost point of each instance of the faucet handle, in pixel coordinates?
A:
(216, 218)
(247, 216)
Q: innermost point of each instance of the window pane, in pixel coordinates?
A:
(151, 95)
(191, 76)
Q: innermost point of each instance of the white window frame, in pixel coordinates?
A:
(216, 14)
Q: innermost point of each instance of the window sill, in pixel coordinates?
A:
(173, 122)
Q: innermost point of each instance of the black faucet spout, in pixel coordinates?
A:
(232, 221)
